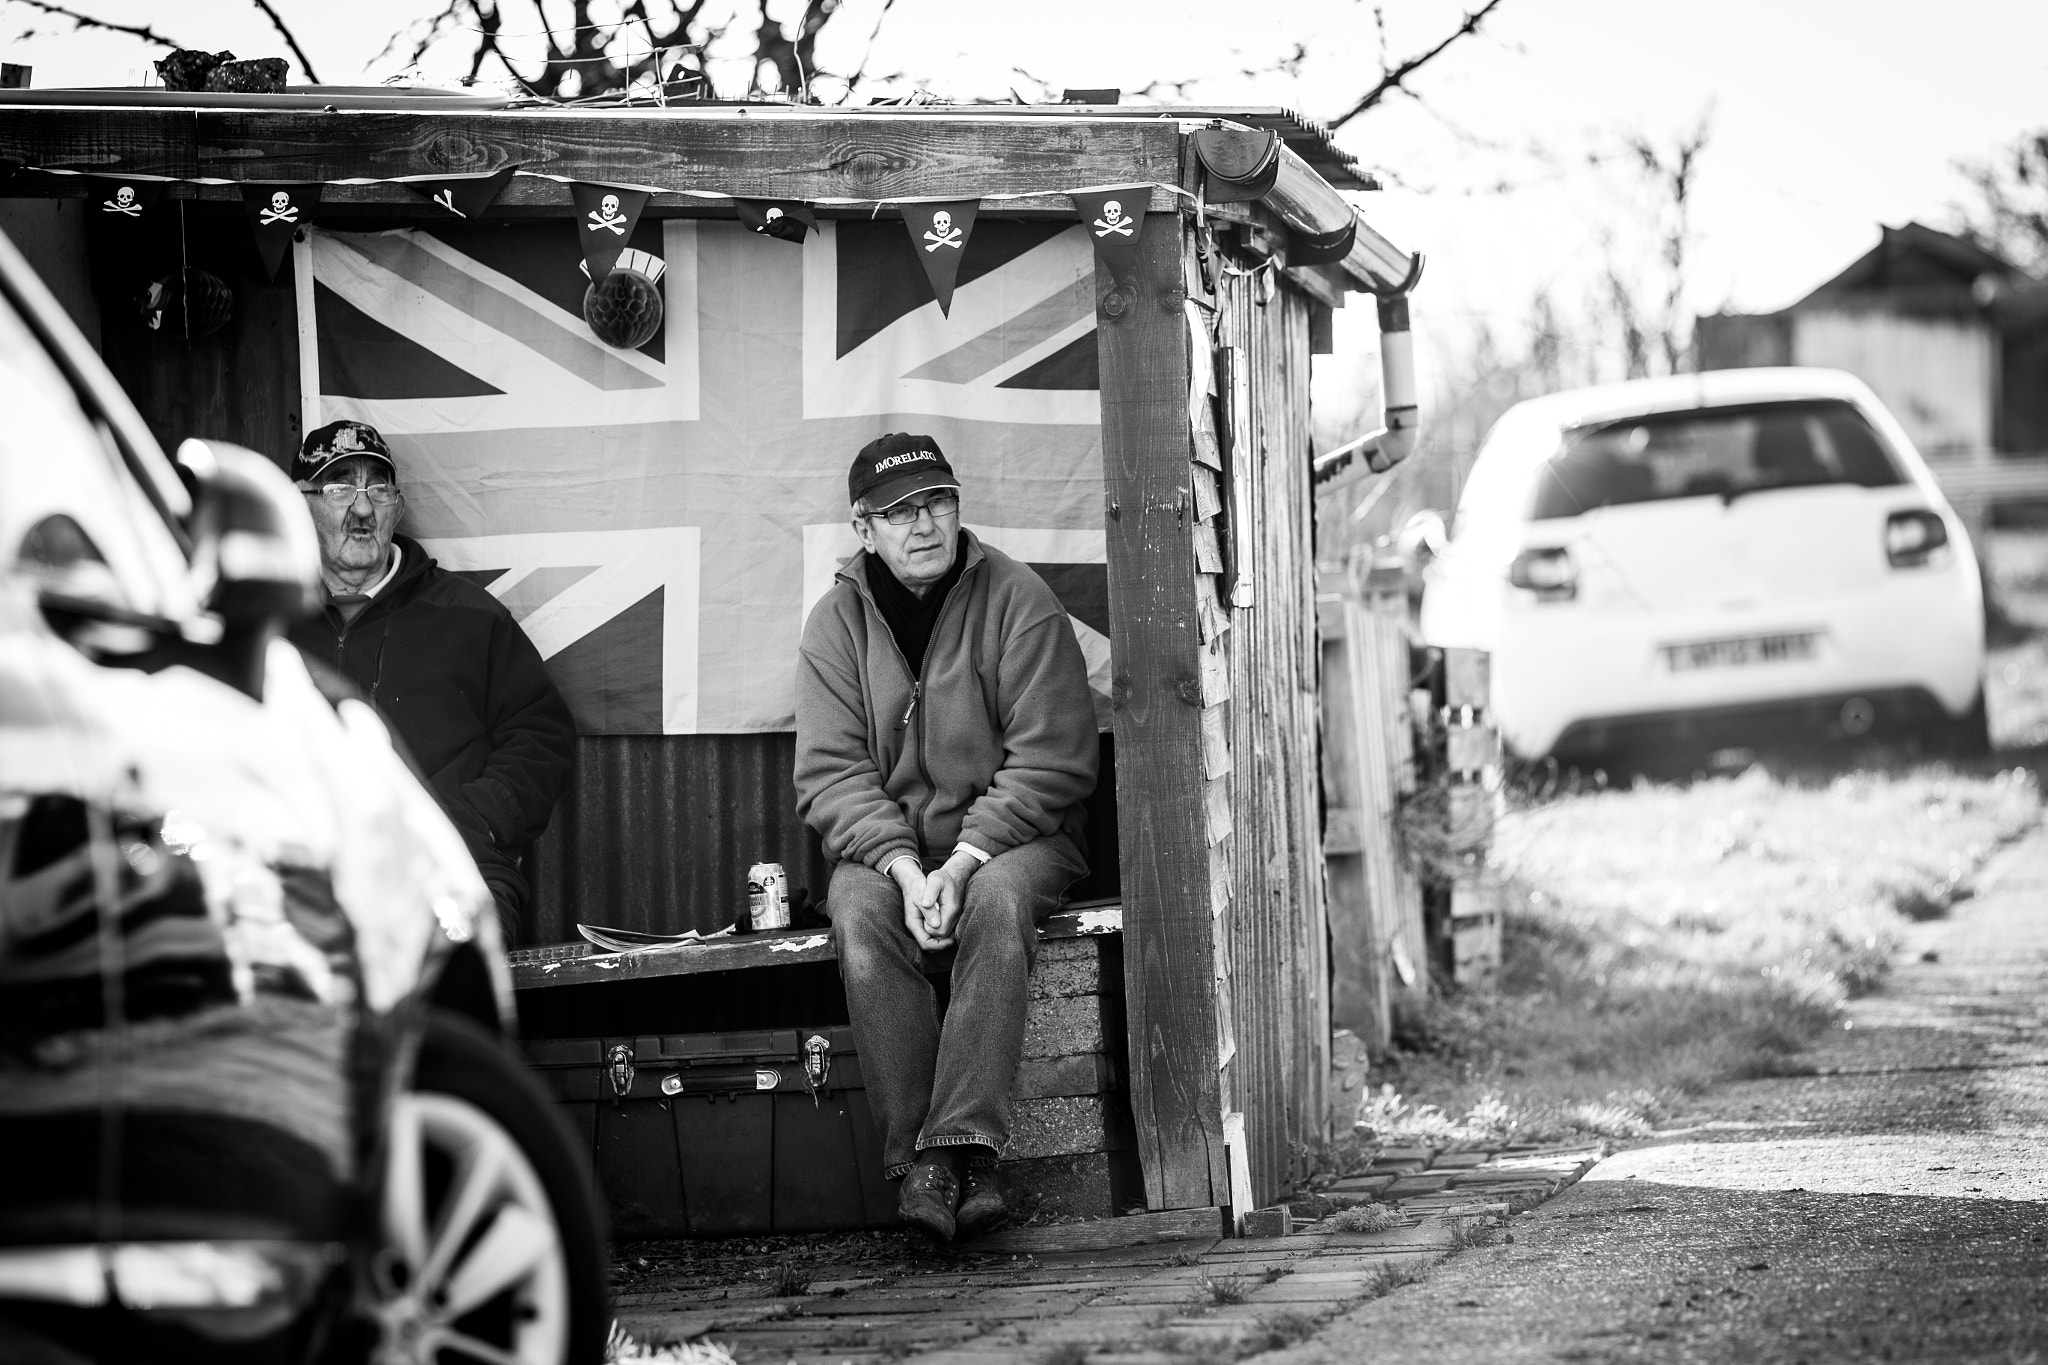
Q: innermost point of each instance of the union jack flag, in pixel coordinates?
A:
(661, 520)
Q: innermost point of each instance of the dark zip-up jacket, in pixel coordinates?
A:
(994, 744)
(466, 692)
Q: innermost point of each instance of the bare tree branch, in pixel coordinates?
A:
(1393, 79)
(867, 53)
(277, 22)
(142, 31)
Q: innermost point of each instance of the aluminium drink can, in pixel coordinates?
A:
(768, 896)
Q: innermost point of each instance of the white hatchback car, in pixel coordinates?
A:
(1685, 564)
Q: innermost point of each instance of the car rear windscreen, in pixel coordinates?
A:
(1724, 452)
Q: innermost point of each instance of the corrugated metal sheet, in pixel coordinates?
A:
(656, 833)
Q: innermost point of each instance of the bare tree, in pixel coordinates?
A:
(1640, 303)
(1395, 77)
(81, 20)
(2009, 214)
(653, 45)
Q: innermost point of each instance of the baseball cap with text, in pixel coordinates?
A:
(337, 441)
(890, 468)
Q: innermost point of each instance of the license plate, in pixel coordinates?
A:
(1739, 652)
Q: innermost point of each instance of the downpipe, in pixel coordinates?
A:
(1395, 438)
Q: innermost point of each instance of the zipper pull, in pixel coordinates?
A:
(916, 691)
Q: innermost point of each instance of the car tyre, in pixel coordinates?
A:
(491, 1234)
(1969, 735)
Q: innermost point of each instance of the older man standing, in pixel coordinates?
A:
(945, 743)
(440, 659)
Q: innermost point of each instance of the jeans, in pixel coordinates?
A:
(934, 1086)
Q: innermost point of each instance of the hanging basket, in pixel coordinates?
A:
(188, 305)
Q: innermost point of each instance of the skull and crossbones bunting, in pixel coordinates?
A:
(276, 212)
(939, 233)
(121, 201)
(787, 219)
(1115, 219)
(465, 196)
(605, 218)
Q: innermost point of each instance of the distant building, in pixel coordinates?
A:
(1954, 339)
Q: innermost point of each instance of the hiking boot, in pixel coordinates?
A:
(930, 1194)
(983, 1208)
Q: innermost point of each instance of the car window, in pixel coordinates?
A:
(1712, 452)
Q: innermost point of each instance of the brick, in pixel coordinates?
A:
(1089, 1073)
(1068, 1026)
(1409, 1186)
(1460, 1161)
(1088, 1185)
(1090, 965)
(1068, 1126)
(1272, 1222)
(1397, 1168)
(1367, 1185)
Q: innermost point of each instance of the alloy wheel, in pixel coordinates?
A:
(472, 1268)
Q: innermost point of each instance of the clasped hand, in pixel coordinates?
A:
(932, 901)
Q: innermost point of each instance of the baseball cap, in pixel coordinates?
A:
(337, 441)
(890, 468)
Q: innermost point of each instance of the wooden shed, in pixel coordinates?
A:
(1230, 249)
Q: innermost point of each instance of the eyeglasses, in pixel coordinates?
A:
(343, 494)
(904, 513)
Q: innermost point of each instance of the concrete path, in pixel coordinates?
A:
(1891, 1205)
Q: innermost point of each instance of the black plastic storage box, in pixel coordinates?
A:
(712, 1134)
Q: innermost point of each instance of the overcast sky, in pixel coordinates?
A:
(1828, 117)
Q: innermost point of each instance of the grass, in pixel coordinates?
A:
(790, 1282)
(1223, 1289)
(1661, 938)
(1363, 1218)
(624, 1350)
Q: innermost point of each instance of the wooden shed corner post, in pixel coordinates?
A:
(1170, 988)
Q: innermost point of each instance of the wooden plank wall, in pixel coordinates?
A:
(1157, 689)
(1278, 931)
(240, 384)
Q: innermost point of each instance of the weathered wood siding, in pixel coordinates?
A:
(1277, 991)
(1158, 691)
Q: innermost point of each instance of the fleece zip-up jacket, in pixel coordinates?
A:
(993, 744)
(467, 694)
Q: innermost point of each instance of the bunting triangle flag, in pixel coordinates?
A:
(1114, 218)
(787, 219)
(605, 215)
(275, 213)
(465, 196)
(939, 232)
(122, 201)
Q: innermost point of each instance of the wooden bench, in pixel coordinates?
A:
(1071, 1151)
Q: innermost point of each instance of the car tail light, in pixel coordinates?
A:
(1549, 573)
(1914, 538)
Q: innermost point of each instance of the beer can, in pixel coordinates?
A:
(768, 896)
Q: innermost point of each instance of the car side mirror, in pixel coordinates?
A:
(255, 557)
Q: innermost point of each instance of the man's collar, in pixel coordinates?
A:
(390, 572)
(365, 594)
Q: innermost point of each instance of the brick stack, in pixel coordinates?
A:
(1071, 1146)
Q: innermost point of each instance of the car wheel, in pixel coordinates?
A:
(1969, 734)
(491, 1250)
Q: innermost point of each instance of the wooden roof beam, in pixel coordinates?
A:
(747, 152)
